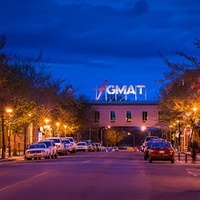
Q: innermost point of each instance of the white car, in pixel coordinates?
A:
(52, 147)
(59, 145)
(73, 143)
(81, 146)
(37, 151)
(68, 145)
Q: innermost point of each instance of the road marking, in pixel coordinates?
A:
(15, 184)
(192, 173)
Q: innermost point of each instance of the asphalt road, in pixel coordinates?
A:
(122, 175)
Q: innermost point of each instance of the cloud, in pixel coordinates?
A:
(111, 28)
(106, 34)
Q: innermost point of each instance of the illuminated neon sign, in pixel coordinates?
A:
(115, 92)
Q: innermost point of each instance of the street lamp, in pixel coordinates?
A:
(144, 128)
(194, 142)
(179, 135)
(133, 137)
(65, 127)
(9, 111)
(47, 128)
(57, 125)
(102, 133)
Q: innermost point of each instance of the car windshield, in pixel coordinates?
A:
(48, 144)
(70, 139)
(56, 140)
(67, 141)
(161, 144)
(37, 146)
(81, 143)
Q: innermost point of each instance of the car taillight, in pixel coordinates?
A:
(152, 150)
(171, 151)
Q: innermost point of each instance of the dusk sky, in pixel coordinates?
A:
(89, 41)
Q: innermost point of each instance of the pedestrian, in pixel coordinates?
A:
(194, 150)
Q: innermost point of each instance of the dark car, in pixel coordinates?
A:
(148, 138)
(162, 150)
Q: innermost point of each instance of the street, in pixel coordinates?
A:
(121, 175)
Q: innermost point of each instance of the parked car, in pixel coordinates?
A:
(115, 148)
(94, 146)
(73, 143)
(52, 147)
(59, 145)
(82, 146)
(98, 146)
(68, 146)
(90, 146)
(37, 151)
(104, 149)
(162, 150)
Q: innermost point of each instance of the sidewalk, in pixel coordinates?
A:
(185, 157)
(11, 158)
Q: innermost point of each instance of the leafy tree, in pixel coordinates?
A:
(112, 136)
(35, 95)
(180, 92)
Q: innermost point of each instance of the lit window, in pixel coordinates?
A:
(144, 116)
(112, 115)
(128, 116)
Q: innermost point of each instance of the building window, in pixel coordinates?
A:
(128, 116)
(112, 116)
(144, 116)
(96, 116)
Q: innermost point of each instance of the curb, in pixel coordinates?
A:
(11, 159)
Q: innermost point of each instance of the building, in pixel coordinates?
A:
(130, 117)
(126, 114)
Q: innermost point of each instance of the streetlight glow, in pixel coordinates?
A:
(102, 133)
(9, 111)
(194, 109)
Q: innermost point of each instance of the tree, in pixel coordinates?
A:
(180, 92)
(35, 95)
(113, 136)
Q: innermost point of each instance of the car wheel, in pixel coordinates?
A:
(172, 161)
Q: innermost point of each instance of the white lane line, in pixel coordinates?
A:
(192, 173)
(10, 186)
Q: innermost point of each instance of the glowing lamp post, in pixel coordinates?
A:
(144, 128)
(65, 127)
(9, 111)
(102, 133)
(57, 130)
(47, 128)
(133, 137)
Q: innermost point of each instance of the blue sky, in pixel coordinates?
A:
(89, 41)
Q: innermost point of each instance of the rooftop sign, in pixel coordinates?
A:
(119, 93)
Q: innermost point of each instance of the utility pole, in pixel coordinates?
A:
(3, 155)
